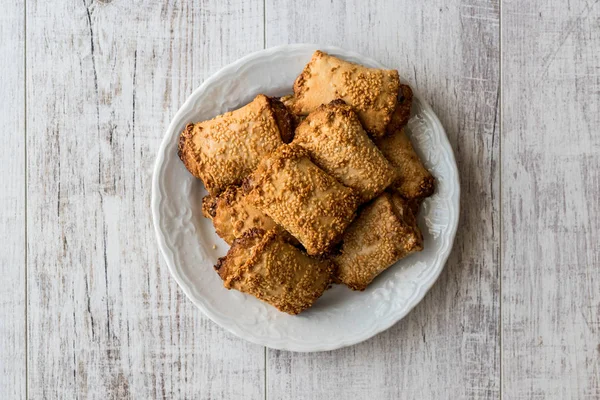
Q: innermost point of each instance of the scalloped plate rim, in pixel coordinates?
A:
(281, 344)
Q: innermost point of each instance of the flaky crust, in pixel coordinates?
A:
(414, 182)
(232, 215)
(384, 232)
(267, 267)
(287, 100)
(302, 198)
(337, 143)
(371, 92)
(239, 252)
(224, 150)
(401, 114)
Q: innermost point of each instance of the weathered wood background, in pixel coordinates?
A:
(87, 307)
(13, 340)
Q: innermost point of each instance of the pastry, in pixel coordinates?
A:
(232, 215)
(384, 232)
(371, 92)
(337, 143)
(264, 265)
(299, 196)
(224, 150)
(414, 181)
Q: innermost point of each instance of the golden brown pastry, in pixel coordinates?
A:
(232, 215)
(414, 182)
(401, 114)
(337, 143)
(371, 92)
(384, 232)
(302, 198)
(267, 267)
(287, 101)
(224, 150)
(286, 121)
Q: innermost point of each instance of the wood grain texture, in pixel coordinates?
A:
(12, 202)
(551, 200)
(448, 347)
(106, 320)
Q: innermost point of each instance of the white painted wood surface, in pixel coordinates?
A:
(448, 347)
(516, 313)
(12, 201)
(106, 320)
(551, 200)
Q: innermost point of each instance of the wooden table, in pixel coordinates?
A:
(87, 306)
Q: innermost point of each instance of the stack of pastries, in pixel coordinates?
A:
(318, 187)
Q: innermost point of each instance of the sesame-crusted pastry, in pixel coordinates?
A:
(371, 92)
(384, 232)
(232, 215)
(337, 143)
(307, 202)
(267, 267)
(414, 182)
(224, 150)
(401, 114)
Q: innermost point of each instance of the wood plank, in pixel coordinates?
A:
(105, 317)
(12, 202)
(551, 200)
(448, 346)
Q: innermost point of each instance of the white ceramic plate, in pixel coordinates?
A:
(340, 317)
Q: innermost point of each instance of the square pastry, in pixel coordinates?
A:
(232, 215)
(264, 265)
(414, 181)
(337, 143)
(307, 202)
(224, 150)
(384, 232)
(371, 92)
